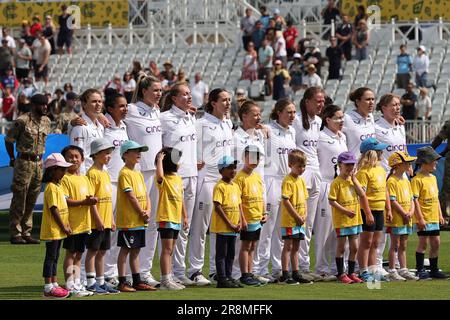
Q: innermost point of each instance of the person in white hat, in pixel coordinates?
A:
(420, 67)
(296, 72)
(23, 58)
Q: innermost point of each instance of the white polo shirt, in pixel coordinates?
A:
(215, 140)
(357, 129)
(144, 127)
(198, 91)
(307, 139)
(178, 131)
(281, 141)
(116, 135)
(330, 146)
(243, 139)
(82, 136)
(394, 136)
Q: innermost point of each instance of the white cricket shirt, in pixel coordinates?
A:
(116, 135)
(330, 146)
(307, 139)
(394, 136)
(357, 129)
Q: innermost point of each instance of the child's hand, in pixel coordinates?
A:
(90, 201)
(236, 227)
(299, 220)
(350, 214)
(406, 218)
(146, 215)
(244, 225)
(185, 223)
(441, 220)
(369, 219)
(421, 224)
(100, 225)
(389, 216)
(160, 156)
(264, 218)
(353, 174)
(113, 226)
(67, 230)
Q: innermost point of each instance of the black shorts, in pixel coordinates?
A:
(22, 73)
(64, 39)
(41, 74)
(75, 243)
(299, 236)
(131, 239)
(99, 240)
(378, 216)
(168, 233)
(250, 235)
(432, 233)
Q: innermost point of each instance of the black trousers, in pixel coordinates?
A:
(51, 258)
(225, 246)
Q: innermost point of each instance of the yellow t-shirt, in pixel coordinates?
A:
(229, 196)
(53, 197)
(425, 190)
(101, 183)
(251, 187)
(373, 181)
(127, 217)
(170, 203)
(77, 188)
(400, 191)
(344, 192)
(295, 190)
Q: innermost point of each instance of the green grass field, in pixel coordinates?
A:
(21, 270)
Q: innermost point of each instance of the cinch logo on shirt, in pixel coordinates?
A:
(396, 147)
(153, 129)
(284, 150)
(189, 137)
(334, 160)
(117, 143)
(310, 143)
(366, 136)
(223, 143)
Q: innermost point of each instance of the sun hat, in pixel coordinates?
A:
(100, 145)
(56, 159)
(399, 157)
(131, 145)
(297, 55)
(225, 162)
(347, 157)
(427, 155)
(423, 48)
(372, 144)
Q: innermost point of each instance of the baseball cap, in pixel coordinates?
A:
(297, 55)
(240, 91)
(131, 145)
(56, 159)
(71, 96)
(423, 48)
(427, 155)
(399, 157)
(39, 99)
(372, 144)
(276, 11)
(22, 40)
(347, 157)
(225, 162)
(100, 145)
(278, 62)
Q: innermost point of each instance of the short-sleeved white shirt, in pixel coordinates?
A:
(242, 139)
(307, 139)
(198, 91)
(330, 146)
(116, 135)
(393, 136)
(357, 129)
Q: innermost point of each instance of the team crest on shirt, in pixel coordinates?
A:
(83, 190)
(140, 188)
(108, 188)
(234, 198)
(254, 189)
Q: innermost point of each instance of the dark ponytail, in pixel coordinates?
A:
(358, 94)
(391, 172)
(308, 95)
(335, 170)
(329, 112)
(213, 97)
(279, 107)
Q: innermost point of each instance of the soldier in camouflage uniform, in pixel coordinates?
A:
(29, 132)
(68, 114)
(443, 135)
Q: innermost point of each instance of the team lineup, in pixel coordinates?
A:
(150, 172)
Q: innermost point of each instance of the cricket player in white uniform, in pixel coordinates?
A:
(307, 128)
(178, 131)
(280, 142)
(332, 142)
(215, 140)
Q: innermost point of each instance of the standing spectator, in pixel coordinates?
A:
(26, 34)
(56, 105)
(361, 40)
(168, 74)
(36, 26)
(291, 35)
(258, 35)
(67, 88)
(6, 58)
(154, 69)
(68, 113)
(420, 66)
(65, 31)
(247, 25)
(250, 64)
(281, 80)
(181, 77)
(239, 98)
(265, 16)
(265, 57)
(344, 34)
(328, 14)
(280, 23)
(313, 56)
(408, 102)
(42, 56)
(404, 67)
(361, 15)
(49, 32)
(27, 87)
(115, 84)
(296, 72)
(137, 70)
(8, 104)
(334, 55)
(280, 48)
(23, 58)
(5, 35)
(129, 85)
(271, 31)
(199, 91)
(312, 79)
(423, 105)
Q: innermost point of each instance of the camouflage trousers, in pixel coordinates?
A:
(26, 187)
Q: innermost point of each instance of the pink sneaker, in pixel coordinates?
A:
(57, 293)
(345, 279)
(355, 278)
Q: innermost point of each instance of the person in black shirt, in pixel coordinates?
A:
(334, 55)
(361, 15)
(65, 32)
(328, 14)
(344, 35)
(408, 102)
(313, 56)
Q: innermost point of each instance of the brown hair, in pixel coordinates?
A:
(385, 100)
(309, 94)
(87, 94)
(245, 107)
(144, 82)
(357, 94)
(213, 97)
(279, 107)
(329, 112)
(297, 156)
(173, 92)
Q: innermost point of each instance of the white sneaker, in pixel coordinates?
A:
(326, 277)
(407, 275)
(185, 281)
(262, 279)
(382, 272)
(394, 276)
(169, 285)
(80, 291)
(311, 276)
(200, 280)
(148, 279)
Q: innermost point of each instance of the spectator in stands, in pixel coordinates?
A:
(328, 14)
(56, 104)
(154, 71)
(42, 57)
(65, 31)
(27, 87)
(26, 34)
(335, 55)
(9, 80)
(129, 85)
(404, 67)
(250, 64)
(280, 48)
(423, 107)
(408, 102)
(313, 56)
(8, 104)
(281, 79)
(23, 104)
(199, 91)
(258, 35)
(181, 77)
(344, 34)
(67, 88)
(5, 35)
(280, 23)
(362, 15)
(137, 70)
(115, 83)
(23, 59)
(420, 66)
(168, 74)
(239, 98)
(36, 26)
(6, 57)
(36, 44)
(290, 35)
(247, 25)
(49, 33)
(265, 58)
(68, 113)
(312, 79)
(271, 31)
(361, 40)
(296, 72)
(265, 16)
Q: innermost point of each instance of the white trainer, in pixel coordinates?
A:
(185, 281)
(326, 277)
(262, 279)
(170, 285)
(80, 291)
(148, 279)
(382, 272)
(407, 275)
(200, 280)
(394, 276)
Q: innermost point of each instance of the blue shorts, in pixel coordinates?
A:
(428, 227)
(399, 231)
(297, 232)
(348, 231)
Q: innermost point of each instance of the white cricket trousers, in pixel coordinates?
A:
(201, 219)
(270, 243)
(179, 252)
(313, 181)
(112, 254)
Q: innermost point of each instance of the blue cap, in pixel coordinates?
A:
(131, 145)
(372, 144)
(225, 162)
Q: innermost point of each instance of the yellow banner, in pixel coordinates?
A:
(97, 13)
(402, 10)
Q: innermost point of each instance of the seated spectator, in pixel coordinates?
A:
(296, 72)
(250, 64)
(334, 55)
(8, 104)
(404, 67)
(313, 56)
(408, 102)
(361, 40)
(115, 83)
(280, 48)
(154, 69)
(129, 84)
(281, 80)
(9, 80)
(312, 79)
(344, 34)
(280, 23)
(36, 26)
(258, 35)
(423, 110)
(290, 35)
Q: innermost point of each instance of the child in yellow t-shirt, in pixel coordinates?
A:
(55, 222)
(399, 224)
(99, 240)
(226, 221)
(293, 216)
(133, 214)
(428, 213)
(171, 213)
(80, 200)
(345, 197)
(252, 196)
